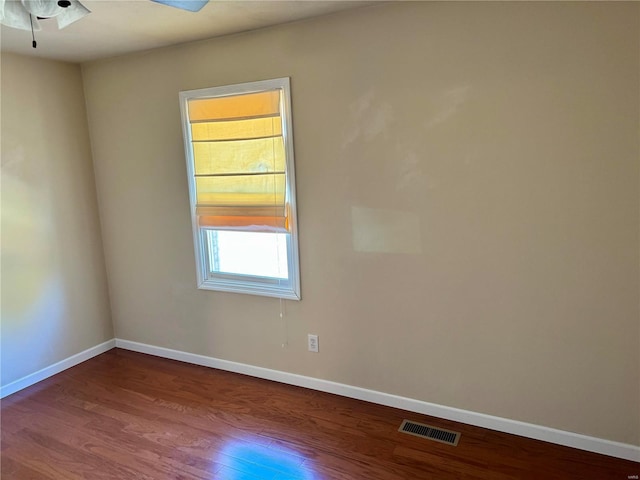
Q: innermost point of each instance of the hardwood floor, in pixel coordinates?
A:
(132, 416)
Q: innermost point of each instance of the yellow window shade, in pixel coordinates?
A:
(239, 156)
(266, 224)
(236, 129)
(235, 211)
(266, 219)
(241, 190)
(239, 162)
(251, 105)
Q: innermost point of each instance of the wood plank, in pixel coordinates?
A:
(128, 415)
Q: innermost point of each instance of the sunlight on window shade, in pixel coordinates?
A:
(250, 105)
(263, 155)
(239, 162)
(241, 191)
(385, 231)
(237, 129)
(221, 222)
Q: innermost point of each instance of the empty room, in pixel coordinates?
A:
(320, 240)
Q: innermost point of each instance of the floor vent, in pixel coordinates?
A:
(432, 433)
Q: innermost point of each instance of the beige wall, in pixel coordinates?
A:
(54, 289)
(502, 138)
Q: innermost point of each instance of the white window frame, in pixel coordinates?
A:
(226, 282)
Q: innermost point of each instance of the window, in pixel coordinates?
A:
(239, 152)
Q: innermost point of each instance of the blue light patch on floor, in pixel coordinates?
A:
(247, 461)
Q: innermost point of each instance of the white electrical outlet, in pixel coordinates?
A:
(312, 341)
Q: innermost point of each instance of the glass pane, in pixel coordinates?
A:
(248, 253)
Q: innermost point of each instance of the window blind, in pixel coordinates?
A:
(239, 162)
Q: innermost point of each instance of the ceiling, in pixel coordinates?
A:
(117, 27)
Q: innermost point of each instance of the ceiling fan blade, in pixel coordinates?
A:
(190, 5)
(41, 8)
(72, 13)
(14, 15)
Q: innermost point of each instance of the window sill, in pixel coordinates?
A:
(254, 287)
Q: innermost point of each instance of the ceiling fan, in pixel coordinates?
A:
(25, 14)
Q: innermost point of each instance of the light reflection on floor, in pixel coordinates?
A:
(254, 461)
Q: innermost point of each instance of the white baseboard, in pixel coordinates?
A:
(58, 367)
(559, 437)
